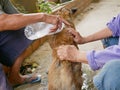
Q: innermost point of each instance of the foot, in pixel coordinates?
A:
(30, 78)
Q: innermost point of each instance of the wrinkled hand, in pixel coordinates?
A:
(76, 35)
(68, 52)
(55, 20)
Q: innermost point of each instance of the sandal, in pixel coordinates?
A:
(30, 80)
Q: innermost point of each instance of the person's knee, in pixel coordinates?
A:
(108, 78)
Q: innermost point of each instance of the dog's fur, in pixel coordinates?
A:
(64, 75)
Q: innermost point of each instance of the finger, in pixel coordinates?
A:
(72, 32)
(60, 47)
(58, 25)
(60, 56)
(54, 28)
(65, 22)
(59, 53)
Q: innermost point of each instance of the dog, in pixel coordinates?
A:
(64, 75)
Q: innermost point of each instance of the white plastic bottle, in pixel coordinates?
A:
(39, 30)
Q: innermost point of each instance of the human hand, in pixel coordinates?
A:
(68, 52)
(76, 36)
(55, 20)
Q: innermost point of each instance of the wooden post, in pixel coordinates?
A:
(29, 5)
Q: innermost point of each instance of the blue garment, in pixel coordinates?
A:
(109, 77)
(110, 41)
(12, 43)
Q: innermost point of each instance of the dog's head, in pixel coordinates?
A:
(63, 38)
(65, 14)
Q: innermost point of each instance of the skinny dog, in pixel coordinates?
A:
(64, 75)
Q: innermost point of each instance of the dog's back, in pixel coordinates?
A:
(64, 75)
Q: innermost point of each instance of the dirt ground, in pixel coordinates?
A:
(91, 20)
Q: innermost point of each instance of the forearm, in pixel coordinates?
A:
(82, 57)
(98, 35)
(16, 21)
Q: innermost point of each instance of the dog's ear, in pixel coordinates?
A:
(63, 12)
(73, 10)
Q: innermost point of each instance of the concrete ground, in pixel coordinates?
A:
(92, 20)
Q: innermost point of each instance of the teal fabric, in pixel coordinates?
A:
(7, 7)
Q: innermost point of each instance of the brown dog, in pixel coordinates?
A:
(64, 75)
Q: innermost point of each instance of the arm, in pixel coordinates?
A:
(113, 29)
(13, 21)
(96, 36)
(16, 21)
(71, 53)
(96, 59)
